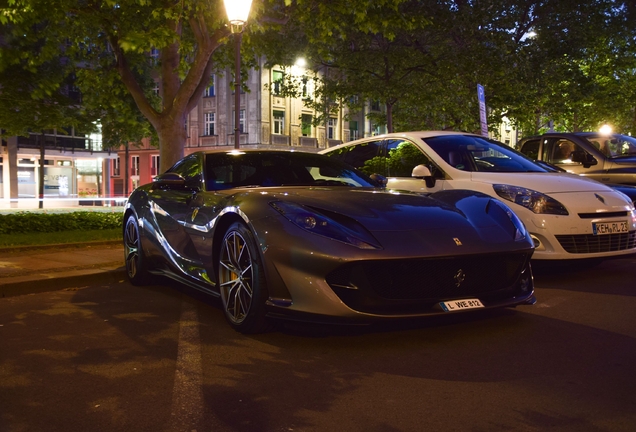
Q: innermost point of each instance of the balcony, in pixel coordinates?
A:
(280, 140)
(63, 143)
(308, 142)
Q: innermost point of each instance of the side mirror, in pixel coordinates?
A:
(424, 172)
(584, 158)
(379, 179)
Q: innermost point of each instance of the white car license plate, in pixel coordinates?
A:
(455, 305)
(601, 228)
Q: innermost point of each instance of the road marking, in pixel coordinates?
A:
(187, 393)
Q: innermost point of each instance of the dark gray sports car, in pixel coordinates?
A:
(280, 234)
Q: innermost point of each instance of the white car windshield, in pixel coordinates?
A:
(473, 153)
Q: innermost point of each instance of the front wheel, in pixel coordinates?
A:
(136, 267)
(241, 281)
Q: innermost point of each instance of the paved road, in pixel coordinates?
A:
(113, 357)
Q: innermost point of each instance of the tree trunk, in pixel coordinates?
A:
(172, 141)
(389, 118)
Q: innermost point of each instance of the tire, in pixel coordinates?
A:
(136, 266)
(241, 281)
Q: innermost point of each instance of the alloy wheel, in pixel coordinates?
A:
(236, 277)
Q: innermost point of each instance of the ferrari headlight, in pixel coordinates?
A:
(343, 229)
(504, 216)
(534, 201)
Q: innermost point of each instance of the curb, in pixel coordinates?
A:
(71, 279)
(58, 246)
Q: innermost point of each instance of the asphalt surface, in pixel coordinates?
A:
(31, 269)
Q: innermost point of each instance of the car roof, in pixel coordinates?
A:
(569, 134)
(411, 134)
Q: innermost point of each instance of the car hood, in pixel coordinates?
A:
(439, 223)
(376, 209)
(547, 183)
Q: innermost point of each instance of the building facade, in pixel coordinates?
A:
(77, 169)
(267, 120)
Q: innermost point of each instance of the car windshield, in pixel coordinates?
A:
(474, 153)
(614, 145)
(273, 168)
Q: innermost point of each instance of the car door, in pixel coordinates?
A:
(561, 151)
(171, 206)
(401, 156)
(532, 149)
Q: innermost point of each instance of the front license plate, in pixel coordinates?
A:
(455, 305)
(602, 228)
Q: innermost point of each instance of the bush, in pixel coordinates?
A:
(26, 222)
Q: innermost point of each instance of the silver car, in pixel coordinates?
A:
(605, 158)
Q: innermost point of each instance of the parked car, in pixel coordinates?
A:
(568, 216)
(302, 236)
(605, 158)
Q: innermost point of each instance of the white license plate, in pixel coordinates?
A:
(456, 305)
(602, 228)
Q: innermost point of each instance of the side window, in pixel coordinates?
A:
(531, 149)
(403, 156)
(365, 156)
(561, 151)
(190, 169)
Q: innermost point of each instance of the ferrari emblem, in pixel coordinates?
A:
(459, 277)
(194, 213)
(457, 241)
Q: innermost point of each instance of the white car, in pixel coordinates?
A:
(568, 216)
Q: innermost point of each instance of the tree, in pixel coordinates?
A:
(119, 49)
(423, 60)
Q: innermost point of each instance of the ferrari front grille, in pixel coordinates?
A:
(376, 285)
(589, 243)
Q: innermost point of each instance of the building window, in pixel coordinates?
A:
(279, 122)
(116, 167)
(209, 91)
(331, 128)
(134, 165)
(208, 127)
(155, 89)
(375, 105)
(277, 82)
(154, 56)
(308, 88)
(353, 130)
(241, 120)
(305, 124)
(241, 90)
(154, 165)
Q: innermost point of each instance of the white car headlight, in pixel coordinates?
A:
(534, 201)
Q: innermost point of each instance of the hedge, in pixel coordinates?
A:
(25, 222)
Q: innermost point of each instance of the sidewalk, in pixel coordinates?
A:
(25, 270)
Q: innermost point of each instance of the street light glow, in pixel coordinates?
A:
(237, 11)
(605, 129)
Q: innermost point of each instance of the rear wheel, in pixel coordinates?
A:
(136, 267)
(241, 281)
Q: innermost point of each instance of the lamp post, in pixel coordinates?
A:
(237, 13)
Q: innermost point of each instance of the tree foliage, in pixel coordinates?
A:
(117, 51)
(423, 60)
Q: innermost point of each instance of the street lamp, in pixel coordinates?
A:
(237, 13)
